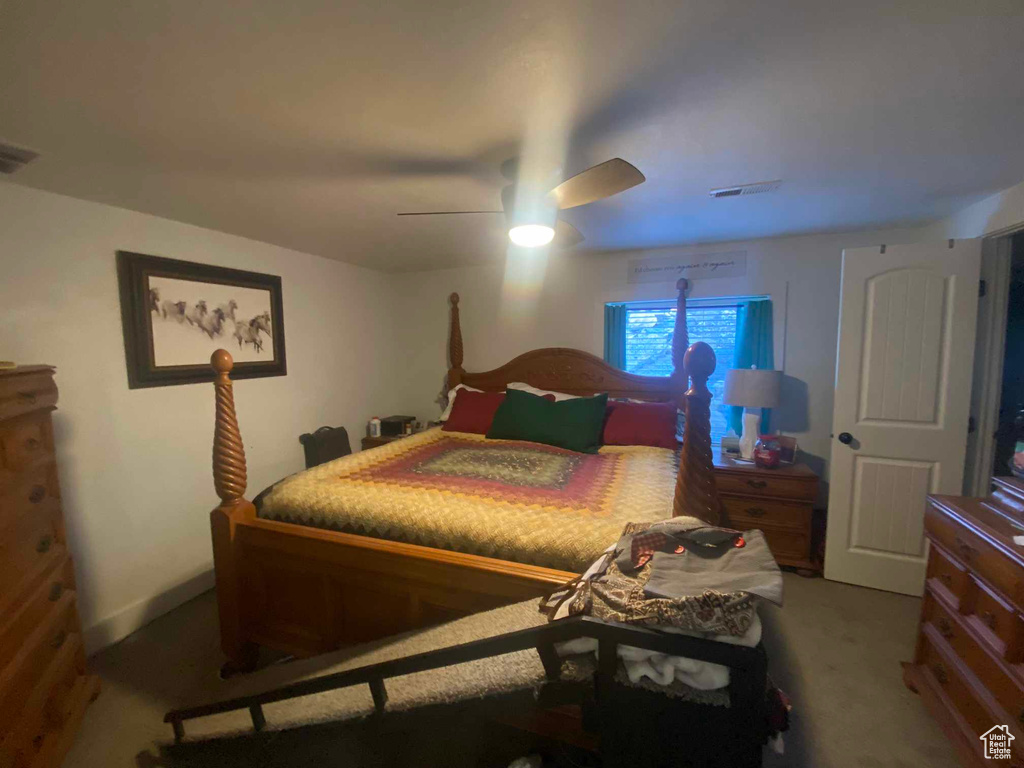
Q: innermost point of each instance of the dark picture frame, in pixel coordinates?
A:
(138, 312)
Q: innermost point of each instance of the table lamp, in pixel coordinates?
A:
(752, 389)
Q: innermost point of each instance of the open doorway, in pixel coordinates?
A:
(1011, 401)
(997, 398)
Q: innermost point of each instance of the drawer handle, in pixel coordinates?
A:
(946, 578)
(37, 494)
(32, 443)
(44, 545)
(940, 673)
(58, 641)
(757, 483)
(945, 628)
(756, 512)
(56, 590)
(989, 619)
(965, 549)
(27, 397)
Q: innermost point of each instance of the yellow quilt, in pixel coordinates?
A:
(507, 499)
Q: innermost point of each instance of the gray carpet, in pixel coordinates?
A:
(834, 648)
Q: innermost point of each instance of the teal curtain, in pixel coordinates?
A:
(754, 347)
(615, 335)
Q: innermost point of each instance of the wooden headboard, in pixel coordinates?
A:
(580, 373)
(572, 370)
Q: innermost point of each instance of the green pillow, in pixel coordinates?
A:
(574, 424)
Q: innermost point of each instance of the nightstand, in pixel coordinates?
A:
(779, 502)
(374, 442)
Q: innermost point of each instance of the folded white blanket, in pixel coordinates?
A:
(664, 669)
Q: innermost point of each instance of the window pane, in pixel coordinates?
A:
(649, 347)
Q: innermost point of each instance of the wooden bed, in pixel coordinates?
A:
(305, 590)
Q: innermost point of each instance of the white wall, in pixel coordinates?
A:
(993, 215)
(135, 464)
(559, 301)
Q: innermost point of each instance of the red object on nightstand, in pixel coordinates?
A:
(767, 452)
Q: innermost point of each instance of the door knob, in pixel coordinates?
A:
(845, 438)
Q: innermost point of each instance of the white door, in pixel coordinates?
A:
(903, 387)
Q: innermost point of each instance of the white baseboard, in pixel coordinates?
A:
(119, 625)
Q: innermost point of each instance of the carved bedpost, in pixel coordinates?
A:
(696, 491)
(229, 472)
(680, 341)
(229, 478)
(455, 345)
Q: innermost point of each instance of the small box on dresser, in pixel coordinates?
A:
(44, 685)
(968, 664)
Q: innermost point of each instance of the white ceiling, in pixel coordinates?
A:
(310, 124)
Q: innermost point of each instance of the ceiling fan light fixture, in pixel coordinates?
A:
(531, 235)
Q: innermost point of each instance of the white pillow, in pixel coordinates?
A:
(451, 400)
(524, 387)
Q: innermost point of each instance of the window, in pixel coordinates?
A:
(648, 343)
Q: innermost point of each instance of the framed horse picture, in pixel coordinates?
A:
(175, 314)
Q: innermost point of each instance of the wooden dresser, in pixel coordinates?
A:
(779, 502)
(969, 662)
(44, 686)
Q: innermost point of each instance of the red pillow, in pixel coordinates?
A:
(473, 411)
(651, 424)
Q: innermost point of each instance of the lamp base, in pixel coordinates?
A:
(751, 431)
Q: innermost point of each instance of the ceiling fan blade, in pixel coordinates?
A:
(596, 183)
(441, 213)
(566, 235)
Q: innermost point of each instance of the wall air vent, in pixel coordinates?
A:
(756, 188)
(13, 158)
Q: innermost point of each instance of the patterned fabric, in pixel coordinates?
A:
(511, 500)
(606, 592)
(616, 596)
(621, 598)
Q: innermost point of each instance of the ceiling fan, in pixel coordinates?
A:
(529, 230)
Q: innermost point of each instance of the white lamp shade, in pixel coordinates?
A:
(752, 388)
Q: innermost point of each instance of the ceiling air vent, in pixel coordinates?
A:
(14, 158)
(747, 189)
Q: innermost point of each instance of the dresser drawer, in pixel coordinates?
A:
(748, 513)
(999, 680)
(765, 485)
(20, 743)
(787, 544)
(27, 392)
(947, 574)
(25, 440)
(977, 554)
(29, 493)
(23, 544)
(996, 621)
(20, 676)
(63, 719)
(941, 668)
(16, 628)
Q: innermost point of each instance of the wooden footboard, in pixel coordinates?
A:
(306, 590)
(309, 590)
